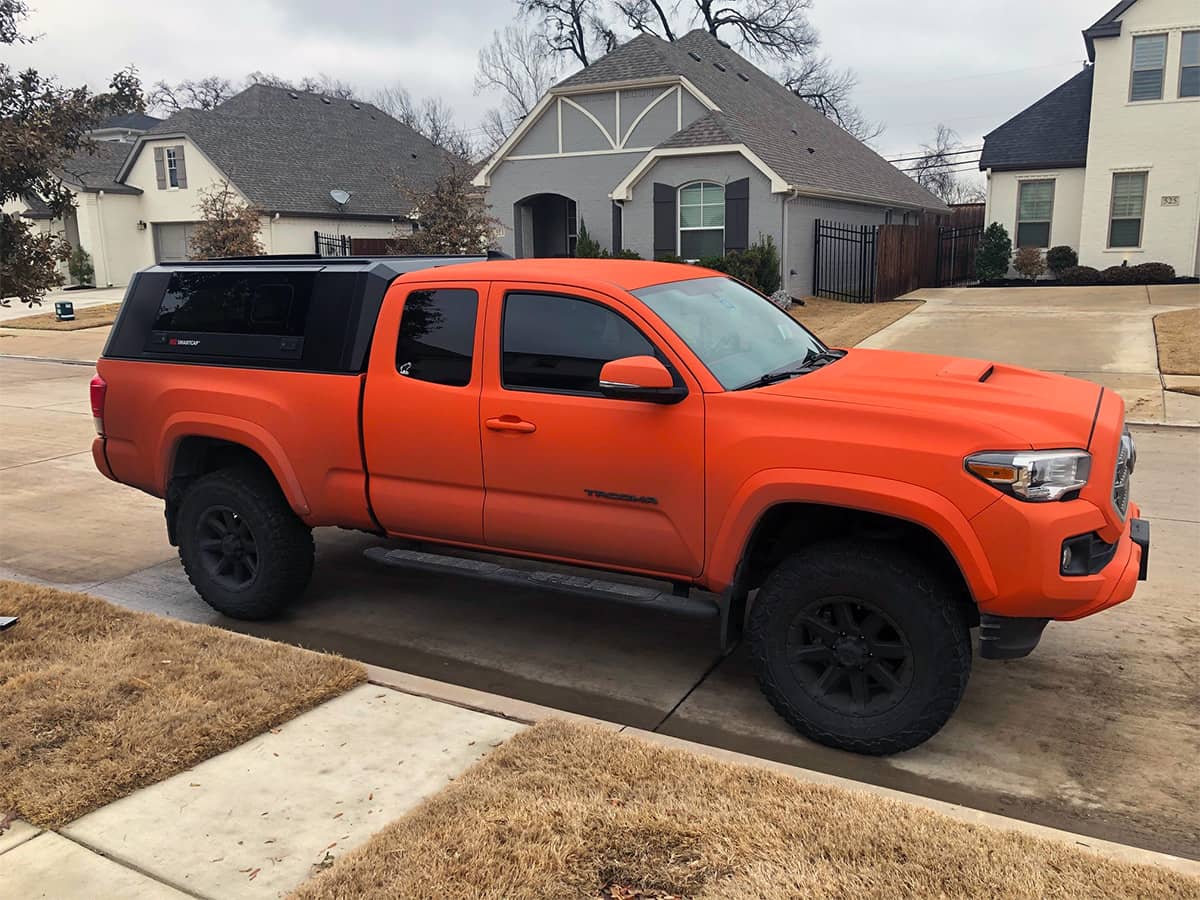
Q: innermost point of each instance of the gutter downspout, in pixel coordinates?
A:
(784, 274)
(103, 243)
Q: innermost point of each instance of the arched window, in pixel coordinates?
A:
(701, 220)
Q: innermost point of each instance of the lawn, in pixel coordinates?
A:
(87, 317)
(564, 810)
(1178, 336)
(841, 324)
(99, 701)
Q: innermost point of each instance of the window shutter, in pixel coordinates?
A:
(616, 228)
(664, 220)
(160, 169)
(180, 166)
(737, 215)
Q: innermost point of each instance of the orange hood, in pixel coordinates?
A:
(1037, 409)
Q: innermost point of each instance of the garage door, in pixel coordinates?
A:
(171, 240)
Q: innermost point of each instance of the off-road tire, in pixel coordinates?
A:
(283, 544)
(925, 613)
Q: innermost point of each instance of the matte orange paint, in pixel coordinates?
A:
(674, 490)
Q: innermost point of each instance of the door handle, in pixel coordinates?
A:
(510, 423)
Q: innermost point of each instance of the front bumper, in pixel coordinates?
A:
(1023, 542)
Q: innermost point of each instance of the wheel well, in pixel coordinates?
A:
(197, 456)
(786, 527)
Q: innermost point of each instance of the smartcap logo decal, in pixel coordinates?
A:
(183, 342)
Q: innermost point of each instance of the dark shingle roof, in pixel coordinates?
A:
(1051, 133)
(37, 208)
(97, 171)
(134, 121)
(761, 113)
(286, 150)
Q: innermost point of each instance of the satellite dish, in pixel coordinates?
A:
(340, 197)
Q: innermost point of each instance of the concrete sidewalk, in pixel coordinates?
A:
(82, 299)
(257, 821)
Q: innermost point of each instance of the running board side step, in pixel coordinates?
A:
(698, 607)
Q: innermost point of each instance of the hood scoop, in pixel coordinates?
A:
(974, 370)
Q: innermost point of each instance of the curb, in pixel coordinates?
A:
(531, 713)
(49, 359)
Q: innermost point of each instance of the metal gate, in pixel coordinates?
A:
(844, 261)
(956, 254)
(331, 244)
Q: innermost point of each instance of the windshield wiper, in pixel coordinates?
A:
(811, 362)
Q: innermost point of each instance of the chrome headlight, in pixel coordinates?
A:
(1034, 475)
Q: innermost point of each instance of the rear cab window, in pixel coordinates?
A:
(436, 342)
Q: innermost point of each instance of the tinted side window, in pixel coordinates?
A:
(560, 344)
(437, 336)
(270, 303)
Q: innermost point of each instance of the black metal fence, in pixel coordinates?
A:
(331, 244)
(956, 250)
(844, 261)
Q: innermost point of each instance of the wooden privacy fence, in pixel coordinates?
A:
(867, 263)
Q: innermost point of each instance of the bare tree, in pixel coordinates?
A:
(516, 65)
(430, 117)
(777, 29)
(938, 169)
(569, 26)
(199, 93)
(648, 17)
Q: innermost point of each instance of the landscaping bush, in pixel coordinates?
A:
(1154, 273)
(627, 254)
(1079, 275)
(1118, 275)
(757, 265)
(587, 247)
(1030, 262)
(995, 250)
(1061, 258)
(79, 264)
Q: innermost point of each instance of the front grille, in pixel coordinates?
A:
(1120, 491)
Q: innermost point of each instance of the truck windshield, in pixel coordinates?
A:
(737, 333)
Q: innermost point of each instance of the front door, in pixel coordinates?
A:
(421, 413)
(573, 474)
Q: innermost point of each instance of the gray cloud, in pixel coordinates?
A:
(970, 65)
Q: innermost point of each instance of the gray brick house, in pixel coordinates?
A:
(686, 148)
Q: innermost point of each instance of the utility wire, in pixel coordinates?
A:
(925, 155)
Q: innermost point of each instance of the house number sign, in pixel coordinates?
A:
(1170, 200)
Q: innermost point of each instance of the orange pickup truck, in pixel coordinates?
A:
(854, 513)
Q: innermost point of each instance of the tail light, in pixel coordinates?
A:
(99, 389)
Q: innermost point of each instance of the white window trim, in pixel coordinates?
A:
(680, 228)
(624, 188)
(1112, 196)
(171, 166)
(1021, 182)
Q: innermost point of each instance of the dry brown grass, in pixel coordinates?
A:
(87, 317)
(563, 810)
(841, 324)
(1178, 336)
(99, 701)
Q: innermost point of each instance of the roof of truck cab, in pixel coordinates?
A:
(627, 274)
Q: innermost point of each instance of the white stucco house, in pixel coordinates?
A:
(283, 151)
(1108, 163)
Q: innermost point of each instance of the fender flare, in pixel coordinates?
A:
(772, 487)
(236, 431)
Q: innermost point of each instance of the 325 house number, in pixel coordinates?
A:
(1170, 200)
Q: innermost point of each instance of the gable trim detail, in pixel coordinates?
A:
(624, 188)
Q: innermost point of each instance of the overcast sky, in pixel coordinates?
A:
(970, 65)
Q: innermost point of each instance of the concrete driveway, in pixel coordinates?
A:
(1096, 732)
(1103, 334)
